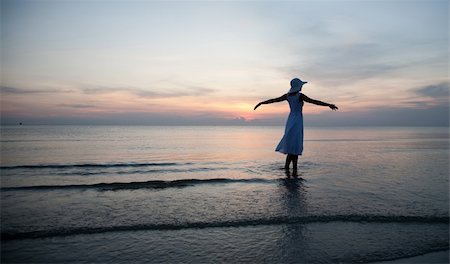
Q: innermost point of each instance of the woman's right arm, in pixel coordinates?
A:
(270, 101)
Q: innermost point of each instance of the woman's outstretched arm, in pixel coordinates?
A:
(274, 100)
(317, 102)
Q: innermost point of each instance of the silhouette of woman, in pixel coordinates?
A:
(292, 141)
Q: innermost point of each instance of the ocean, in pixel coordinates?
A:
(211, 194)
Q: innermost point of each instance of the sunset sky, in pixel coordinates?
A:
(210, 62)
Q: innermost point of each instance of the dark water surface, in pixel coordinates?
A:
(208, 194)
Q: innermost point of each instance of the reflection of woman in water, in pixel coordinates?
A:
(292, 141)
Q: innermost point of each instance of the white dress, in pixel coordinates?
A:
(292, 141)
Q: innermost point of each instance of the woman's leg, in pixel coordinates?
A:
(288, 161)
(294, 163)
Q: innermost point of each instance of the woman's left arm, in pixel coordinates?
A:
(317, 102)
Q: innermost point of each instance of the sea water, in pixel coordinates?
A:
(220, 194)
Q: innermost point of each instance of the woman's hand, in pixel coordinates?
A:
(256, 106)
(333, 107)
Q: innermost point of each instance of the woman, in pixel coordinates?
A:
(292, 141)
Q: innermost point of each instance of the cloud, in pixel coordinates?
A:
(436, 116)
(128, 118)
(186, 91)
(435, 91)
(388, 116)
(98, 90)
(15, 90)
(340, 64)
(77, 106)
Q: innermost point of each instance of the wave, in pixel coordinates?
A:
(226, 224)
(139, 171)
(91, 165)
(153, 184)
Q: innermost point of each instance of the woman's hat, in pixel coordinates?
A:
(296, 85)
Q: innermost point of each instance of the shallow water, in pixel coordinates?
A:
(206, 194)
